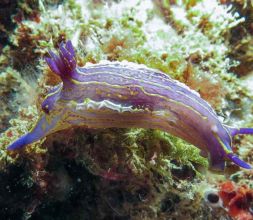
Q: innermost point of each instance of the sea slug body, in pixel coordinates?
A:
(126, 95)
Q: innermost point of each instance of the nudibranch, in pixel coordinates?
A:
(129, 95)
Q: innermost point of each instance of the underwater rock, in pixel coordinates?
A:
(7, 9)
(133, 174)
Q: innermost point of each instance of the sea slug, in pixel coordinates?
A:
(128, 95)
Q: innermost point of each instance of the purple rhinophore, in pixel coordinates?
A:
(129, 95)
(235, 131)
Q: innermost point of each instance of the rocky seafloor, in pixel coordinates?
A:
(123, 174)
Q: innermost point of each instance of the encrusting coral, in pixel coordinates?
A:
(123, 173)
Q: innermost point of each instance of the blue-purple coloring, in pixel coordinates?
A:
(129, 95)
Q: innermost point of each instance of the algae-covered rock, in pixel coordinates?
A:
(81, 173)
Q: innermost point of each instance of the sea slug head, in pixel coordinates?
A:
(63, 65)
(49, 103)
(49, 120)
(53, 109)
(61, 100)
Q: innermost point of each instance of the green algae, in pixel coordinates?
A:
(188, 42)
(12, 88)
(125, 38)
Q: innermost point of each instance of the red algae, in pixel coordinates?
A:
(237, 200)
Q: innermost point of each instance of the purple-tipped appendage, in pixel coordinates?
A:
(65, 63)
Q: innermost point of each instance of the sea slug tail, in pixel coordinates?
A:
(238, 161)
(64, 63)
(233, 132)
(21, 142)
(44, 126)
(244, 131)
(236, 131)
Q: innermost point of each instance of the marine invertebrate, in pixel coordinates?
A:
(123, 94)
